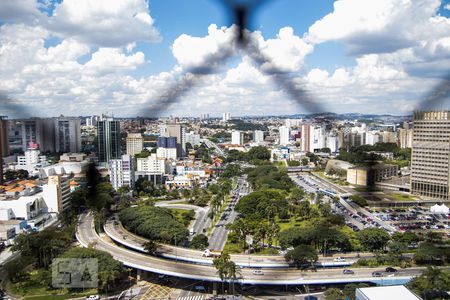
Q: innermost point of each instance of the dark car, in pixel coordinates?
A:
(391, 270)
(377, 274)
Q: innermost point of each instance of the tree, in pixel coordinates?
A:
(258, 153)
(373, 239)
(110, 271)
(151, 247)
(305, 161)
(334, 294)
(226, 268)
(199, 241)
(78, 197)
(432, 284)
(301, 256)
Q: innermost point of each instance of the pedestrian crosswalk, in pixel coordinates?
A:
(199, 297)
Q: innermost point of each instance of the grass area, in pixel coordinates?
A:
(233, 248)
(184, 216)
(335, 181)
(266, 251)
(288, 223)
(37, 287)
(402, 197)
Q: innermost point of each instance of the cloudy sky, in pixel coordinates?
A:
(83, 57)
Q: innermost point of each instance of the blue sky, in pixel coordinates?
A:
(122, 56)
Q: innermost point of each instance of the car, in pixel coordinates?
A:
(339, 259)
(347, 271)
(200, 288)
(93, 297)
(257, 272)
(377, 274)
(391, 270)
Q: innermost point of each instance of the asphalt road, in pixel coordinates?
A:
(124, 237)
(219, 234)
(87, 236)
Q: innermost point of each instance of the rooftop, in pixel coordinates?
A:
(397, 292)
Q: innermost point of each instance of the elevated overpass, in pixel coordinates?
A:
(121, 236)
(87, 237)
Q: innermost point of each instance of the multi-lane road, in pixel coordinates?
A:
(219, 234)
(87, 236)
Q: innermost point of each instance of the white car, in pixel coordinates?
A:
(257, 272)
(93, 297)
(339, 259)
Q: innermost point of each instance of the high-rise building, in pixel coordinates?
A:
(226, 117)
(57, 193)
(108, 132)
(4, 143)
(316, 138)
(67, 134)
(135, 143)
(237, 137)
(430, 172)
(121, 172)
(405, 137)
(151, 164)
(258, 136)
(179, 132)
(193, 138)
(284, 135)
(305, 133)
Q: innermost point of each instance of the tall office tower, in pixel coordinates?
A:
(226, 117)
(305, 133)
(405, 137)
(67, 134)
(108, 134)
(121, 172)
(430, 154)
(284, 135)
(4, 143)
(258, 136)
(135, 143)
(167, 147)
(178, 131)
(237, 137)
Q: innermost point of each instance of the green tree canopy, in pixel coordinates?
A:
(373, 239)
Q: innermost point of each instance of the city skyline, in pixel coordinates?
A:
(385, 60)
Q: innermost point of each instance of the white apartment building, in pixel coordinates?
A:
(56, 193)
(121, 172)
(135, 143)
(316, 138)
(237, 137)
(31, 161)
(193, 138)
(284, 135)
(225, 117)
(258, 136)
(167, 153)
(152, 164)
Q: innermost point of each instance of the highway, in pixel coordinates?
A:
(120, 235)
(87, 236)
(219, 234)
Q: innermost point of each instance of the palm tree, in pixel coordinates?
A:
(233, 272)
